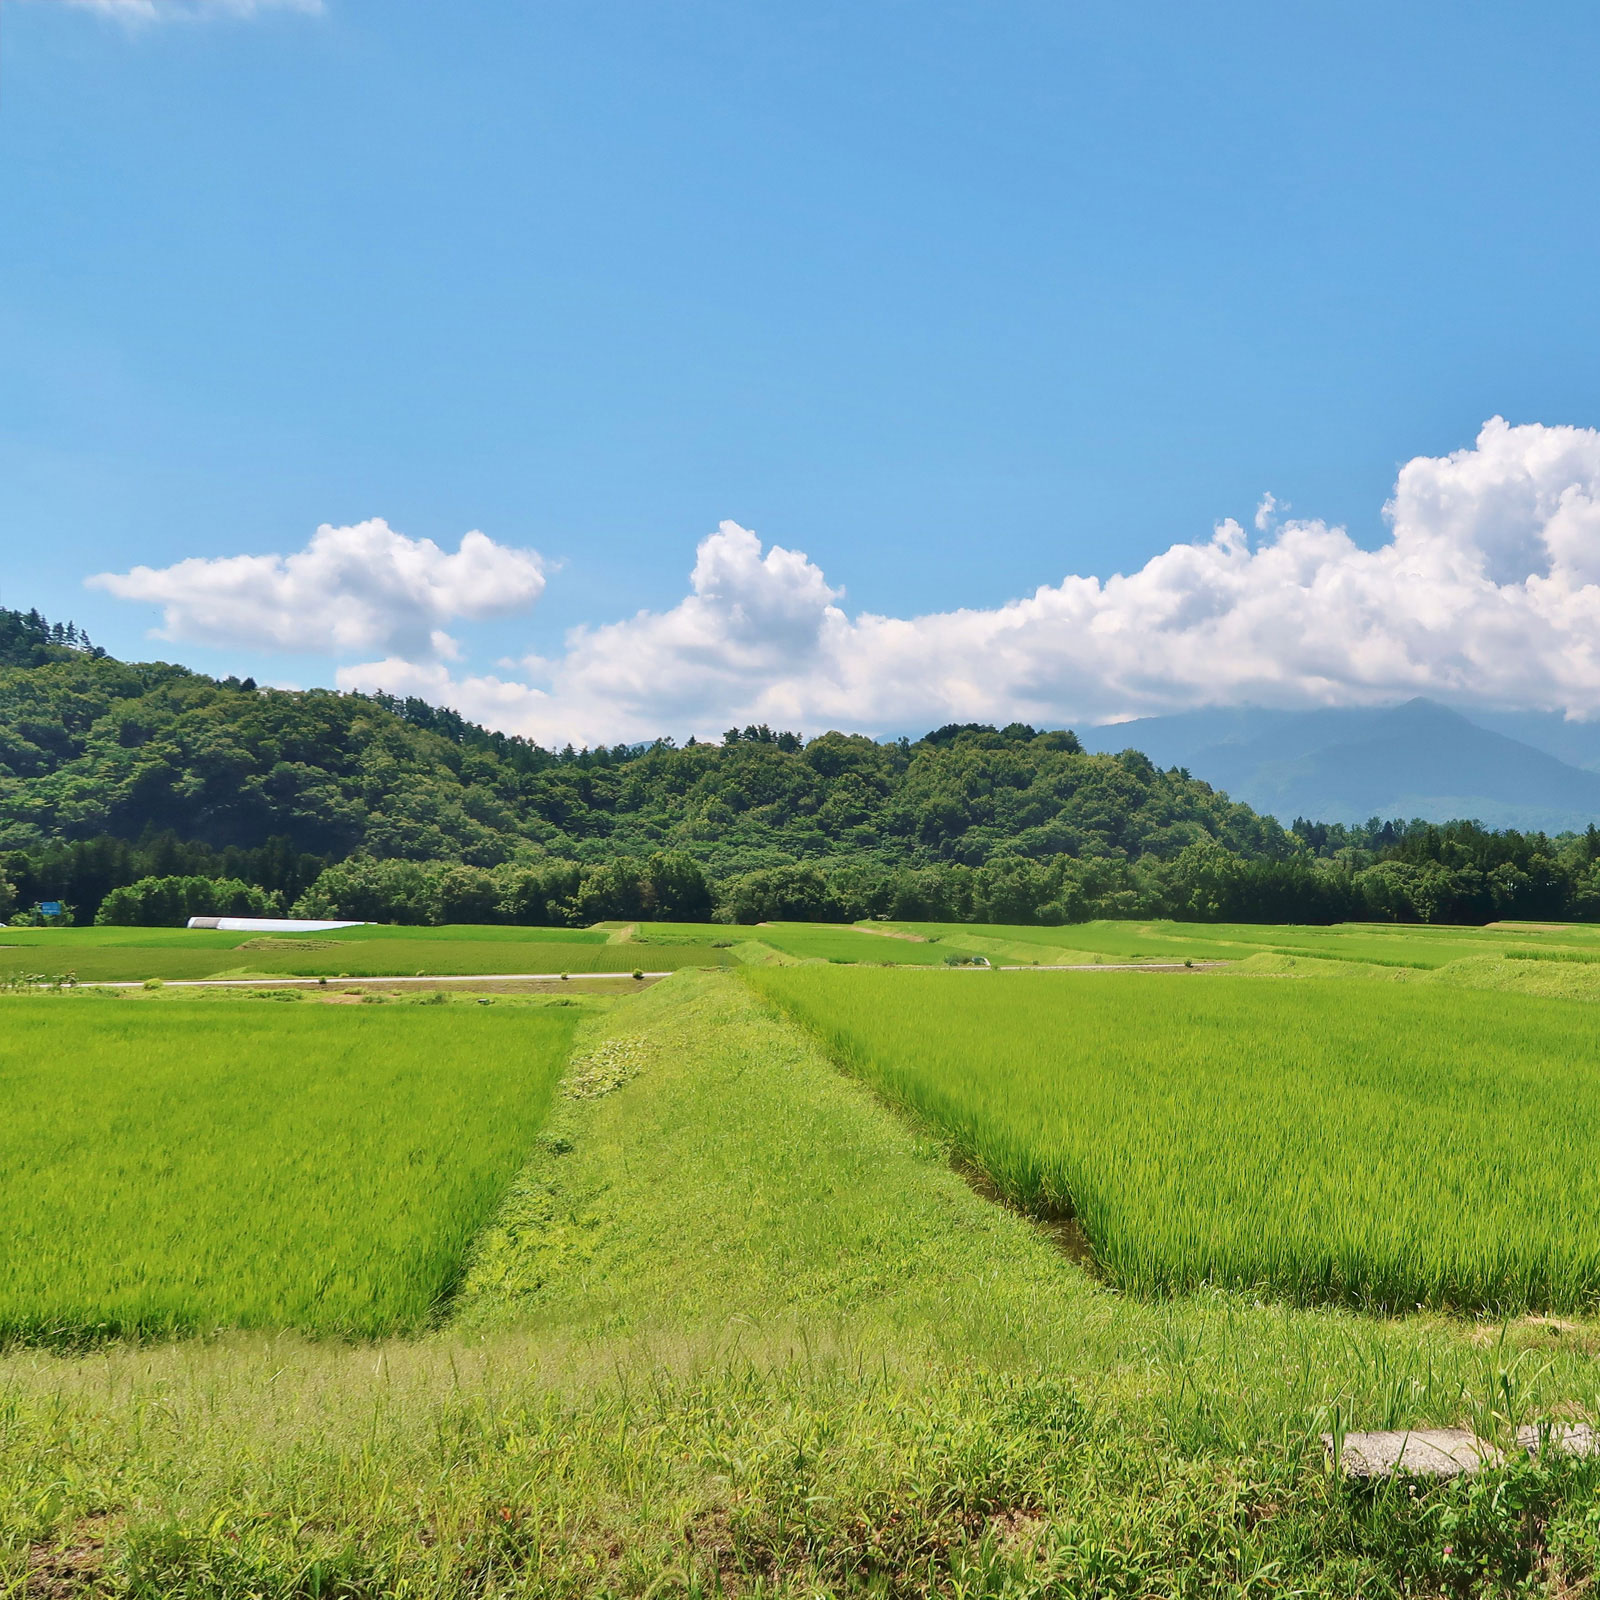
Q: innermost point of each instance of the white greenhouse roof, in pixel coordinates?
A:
(270, 924)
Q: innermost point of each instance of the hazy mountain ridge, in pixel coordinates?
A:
(1526, 770)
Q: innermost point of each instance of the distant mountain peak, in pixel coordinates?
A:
(1415, 758)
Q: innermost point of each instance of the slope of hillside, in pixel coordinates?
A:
(1574, 742)
(96, 749)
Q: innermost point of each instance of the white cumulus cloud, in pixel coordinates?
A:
(351, 591)
(1487, 590)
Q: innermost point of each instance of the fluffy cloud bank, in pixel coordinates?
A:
(350, 591)
(1488, 590)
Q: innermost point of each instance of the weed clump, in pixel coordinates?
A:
(605, 1070)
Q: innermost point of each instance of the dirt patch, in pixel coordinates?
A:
(893, 933)
(291, 944)
(1535, 1328)
(712, 1540)
(1017, 1532)
(1556, 1326)
(59, 1572)
(344, 990)
(607, 984)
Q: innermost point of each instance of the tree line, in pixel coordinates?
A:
(1433, 874)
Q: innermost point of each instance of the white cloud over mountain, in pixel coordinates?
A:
(1487, 590)
(350, 591)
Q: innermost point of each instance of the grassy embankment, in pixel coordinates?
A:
(741, 1328)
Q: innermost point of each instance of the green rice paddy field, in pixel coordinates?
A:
(1382, 945)
(1379, 944)
(1415, 1144)
(1429, 1140)
(105, 955)
(110, 955)
(172, 1168)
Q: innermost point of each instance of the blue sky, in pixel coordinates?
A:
(958, 300)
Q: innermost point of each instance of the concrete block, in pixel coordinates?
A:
(1420, 1452)
(1449, 1452)
(1566, 1439)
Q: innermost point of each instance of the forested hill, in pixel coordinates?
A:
(112, 771)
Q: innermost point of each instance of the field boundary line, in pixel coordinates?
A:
(573, 977)
(1110, 966)
(452, 977)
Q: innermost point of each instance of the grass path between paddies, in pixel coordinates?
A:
(740, 1328)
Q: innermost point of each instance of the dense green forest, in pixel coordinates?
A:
(133, 776)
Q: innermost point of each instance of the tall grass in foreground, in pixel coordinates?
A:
(173, 1168)
(1388, 1145)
